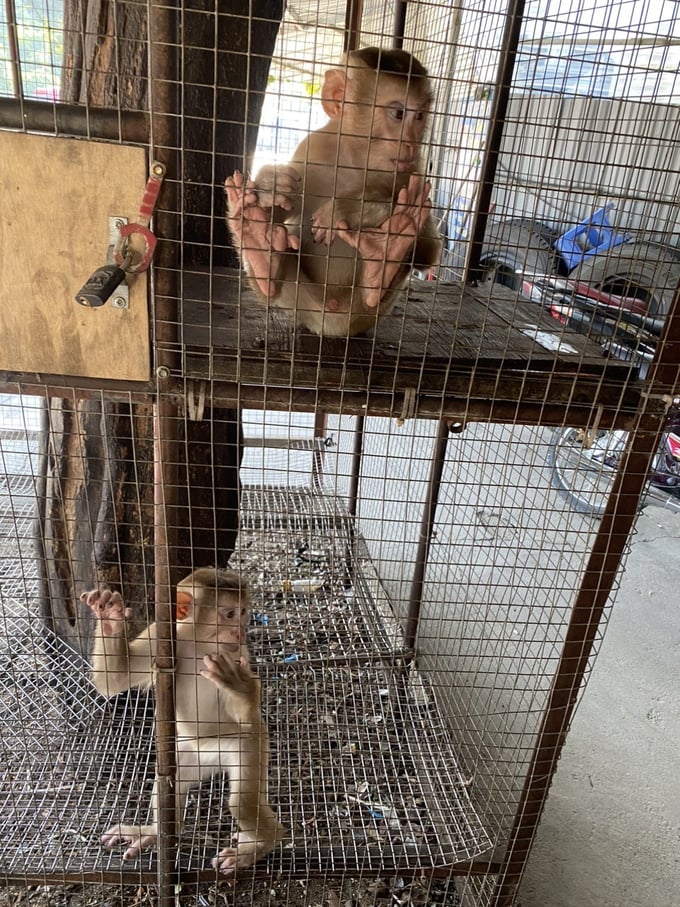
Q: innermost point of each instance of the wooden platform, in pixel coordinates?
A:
(446, 351)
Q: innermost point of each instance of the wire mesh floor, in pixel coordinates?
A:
(363, 771)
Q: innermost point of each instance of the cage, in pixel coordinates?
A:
(431, 515)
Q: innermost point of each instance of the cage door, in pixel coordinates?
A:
(57, 197)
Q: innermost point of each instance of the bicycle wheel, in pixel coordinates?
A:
(583, 465)
(647, 271)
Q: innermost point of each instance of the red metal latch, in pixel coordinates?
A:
(136, 240)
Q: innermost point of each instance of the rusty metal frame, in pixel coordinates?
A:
(598, 582)
(353, 13)
(429, 513)
(165, 106)
(129, 126)
(159, 130)
(511, 35)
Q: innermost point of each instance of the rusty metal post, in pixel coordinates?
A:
(598, 581)
(164, 143)
(355, 472)
(603, 565)
(67, 119)
(320, 427)
(425, 537)
(13, 48)
(353, 495)
(399, 27)
(353, 13)
(487, 177)
(165, 494)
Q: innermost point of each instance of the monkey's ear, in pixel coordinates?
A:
(333, 92)
(184, 602)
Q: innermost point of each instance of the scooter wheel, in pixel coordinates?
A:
(514, 246)
(642, 270)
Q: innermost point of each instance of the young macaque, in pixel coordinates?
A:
(217, 701)
(332, 236)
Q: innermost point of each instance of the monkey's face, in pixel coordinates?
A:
(232, 617)
(393, 120)
(221, 615)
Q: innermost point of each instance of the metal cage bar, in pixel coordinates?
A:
(164, 26)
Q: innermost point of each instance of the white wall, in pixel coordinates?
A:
(565, 156)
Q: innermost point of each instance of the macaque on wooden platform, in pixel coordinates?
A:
(217, 701)
(332, 236)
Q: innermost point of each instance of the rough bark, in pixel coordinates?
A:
(96, 510)
(226, 66)
(105, 59)
(96, 505)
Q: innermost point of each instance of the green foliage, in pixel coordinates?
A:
(312, 88)
(39, 30)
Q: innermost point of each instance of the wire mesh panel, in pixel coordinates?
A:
(429, 506)
(379, 764)
(356, 777)
(569, 244)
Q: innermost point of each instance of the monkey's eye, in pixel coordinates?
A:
(397, 113)
(228, 614)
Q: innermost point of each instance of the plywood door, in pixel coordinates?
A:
(56, 195)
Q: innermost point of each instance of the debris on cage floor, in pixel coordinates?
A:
(363, 770)
(391, 892)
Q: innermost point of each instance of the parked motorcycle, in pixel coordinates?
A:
(598, 282)
(592, 253)
(622, 325)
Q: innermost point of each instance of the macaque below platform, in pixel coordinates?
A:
(217, 701)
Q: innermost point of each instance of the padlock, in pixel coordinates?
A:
(99, 288)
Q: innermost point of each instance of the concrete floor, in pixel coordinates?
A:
(610, 834)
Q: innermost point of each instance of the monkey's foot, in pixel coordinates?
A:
(385, 250)
(263, 244)
(138, 837)
(247, 850)
(230, 859)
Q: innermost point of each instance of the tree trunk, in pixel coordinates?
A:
(105, 59)
(95, 523)
(97, 509)
(226, 67)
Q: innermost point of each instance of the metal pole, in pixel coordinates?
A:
(165, 496)
(13, 49)
(164, 90)
(355, 472)
(320, 425)
(426, 526)
(513, 25)
(67, 119)
(353, 13)
(399, 28)
(603, 566)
